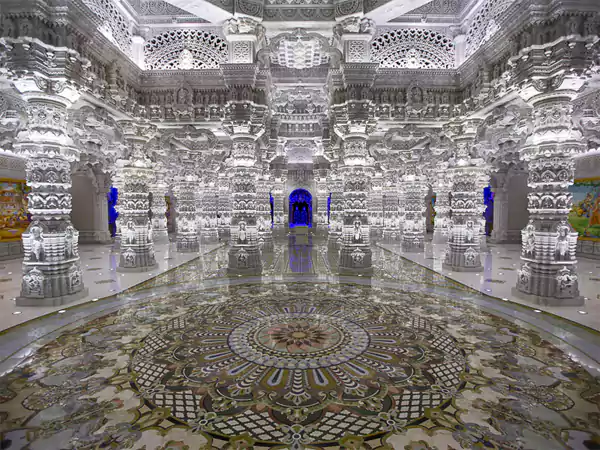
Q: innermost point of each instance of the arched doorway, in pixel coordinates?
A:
(300, 209)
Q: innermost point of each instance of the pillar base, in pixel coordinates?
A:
(548, 301)
(136, 269)
(188, 244)
(355, 260)
(244, 260)
(439, 238)
(462, 268)
(52, 301)
(413, 247)
(161, 237)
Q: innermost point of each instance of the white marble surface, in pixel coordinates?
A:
(98, 264)
(499, 275)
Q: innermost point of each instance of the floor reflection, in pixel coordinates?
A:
(298, 358)
(300, 254)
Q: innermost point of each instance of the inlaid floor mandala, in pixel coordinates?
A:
(300, 365)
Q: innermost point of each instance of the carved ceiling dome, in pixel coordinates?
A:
(413, 48)
(164, 51)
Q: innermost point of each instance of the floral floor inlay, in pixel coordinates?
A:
(300, 365)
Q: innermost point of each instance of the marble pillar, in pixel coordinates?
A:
(442, 221)
(263, 213)
(469, 175)
(186, 192)
(158, 208)
(136, 253)
(51, 264)
(336, 211)
(355, 251)
(414, 187)
(548, 270)
(244, 252)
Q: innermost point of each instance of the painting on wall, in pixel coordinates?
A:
(585, 213)
(14, 217)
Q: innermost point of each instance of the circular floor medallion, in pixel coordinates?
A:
(306, 361)
(298, 341)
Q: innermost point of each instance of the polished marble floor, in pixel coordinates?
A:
(100, 277)
(300, 358)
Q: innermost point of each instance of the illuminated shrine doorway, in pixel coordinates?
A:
(300, 208)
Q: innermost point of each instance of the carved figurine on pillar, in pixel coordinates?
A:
(136, 173)
(51, 263)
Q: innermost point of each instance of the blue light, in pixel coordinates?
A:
(300, 208)
(112, 196)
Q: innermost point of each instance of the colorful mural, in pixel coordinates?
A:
(585, 213)
(14, 218)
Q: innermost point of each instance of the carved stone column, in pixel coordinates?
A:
(186, 193)
(549, 77)
(263, 212)
(414, 187)
(376, 206)
(209, 225)
(245, 121)
(336, 209)
(244, 253)
(277, 192)
(355, 252)
(136, 175)
(548, 272)
(391, 209)
(224, 208)
(500, 228)
(322, 196)
(51, 263)
(159, 208)
(442, 188)
(469, 176)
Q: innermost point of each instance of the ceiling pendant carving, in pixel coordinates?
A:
(299, 50)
